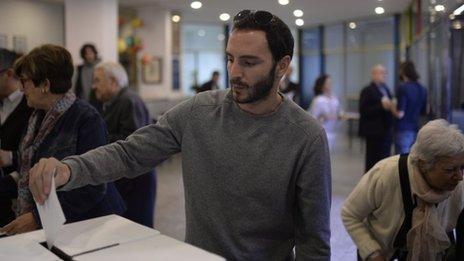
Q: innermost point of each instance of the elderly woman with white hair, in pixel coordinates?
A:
(405, 206)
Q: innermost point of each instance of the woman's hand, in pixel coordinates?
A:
(21, 224)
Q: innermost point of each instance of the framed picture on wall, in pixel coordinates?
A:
(19, 44)
(152, 71)
(3, 41)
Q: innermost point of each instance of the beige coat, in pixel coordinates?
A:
(373, 212)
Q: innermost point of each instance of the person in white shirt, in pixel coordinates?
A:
(325, 107)
(374, 213)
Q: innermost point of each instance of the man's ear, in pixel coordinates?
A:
(282, 66)
(113, 82)
(46, 85)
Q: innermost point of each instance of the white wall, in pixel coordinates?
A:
(92, 21)
(39, 22)
(157, 41)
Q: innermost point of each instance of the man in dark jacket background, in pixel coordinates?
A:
(14, 115)
(376, 119)
(124, 112)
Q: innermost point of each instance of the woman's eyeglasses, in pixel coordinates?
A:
(259, 17)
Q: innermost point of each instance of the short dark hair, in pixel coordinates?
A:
(91, 46)
(408, 69)
(50, 62)
(319, 84)
(7, 58)
(215, 73)
(278, 35)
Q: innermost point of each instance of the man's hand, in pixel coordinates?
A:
(386, 103)
(21, 224)
(40, 177)
(6, 158)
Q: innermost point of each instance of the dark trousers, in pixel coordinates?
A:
(376, 150)
(139, 196)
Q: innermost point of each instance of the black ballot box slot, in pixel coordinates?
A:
(58, 252)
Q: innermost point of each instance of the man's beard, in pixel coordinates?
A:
(254, 93)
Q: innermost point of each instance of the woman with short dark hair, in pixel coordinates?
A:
(60, 126)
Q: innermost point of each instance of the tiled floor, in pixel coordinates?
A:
(347, 167)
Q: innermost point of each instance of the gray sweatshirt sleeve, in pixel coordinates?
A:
(136, 155)
(313, 192)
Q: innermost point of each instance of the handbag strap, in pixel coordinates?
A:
(408, 205)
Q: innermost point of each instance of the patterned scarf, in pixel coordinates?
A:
(427, 240)
(37, 131)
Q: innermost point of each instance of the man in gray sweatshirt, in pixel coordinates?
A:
(256, 167)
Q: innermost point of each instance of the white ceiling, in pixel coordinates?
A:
(315, 11)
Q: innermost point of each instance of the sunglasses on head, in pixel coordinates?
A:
(259, 17)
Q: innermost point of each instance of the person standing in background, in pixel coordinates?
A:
(412, 103)
(325, 107)
(124, 112)
(376, 119)
(212, 84)
(83, 87)
(14, 114)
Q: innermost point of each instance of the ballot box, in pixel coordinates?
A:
(105, 238)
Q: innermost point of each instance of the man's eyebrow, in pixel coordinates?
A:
(246, 56)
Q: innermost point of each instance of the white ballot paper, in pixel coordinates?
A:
(51, 216)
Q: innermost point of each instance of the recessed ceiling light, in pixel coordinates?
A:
(221, 37)
(379, 10)
(201, 33)
(175, 18)
(440, 8)
(224, 17)
(299, 22)
(352, 25)
(298, 13)
(457, 25)
(284, 2)
(452, 16)
(196, 5)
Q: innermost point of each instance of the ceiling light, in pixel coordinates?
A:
(175, 18)
(299, 22)
(459, 10)
(456, 25)
(224, 17)
(201, 33)
(379, 10)
(298, 13)
(352, 25)
(284, 2)
(196, 5)
(221, 37)
(452, 16)
(439, 8)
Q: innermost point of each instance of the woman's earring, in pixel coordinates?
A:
(43, 90)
